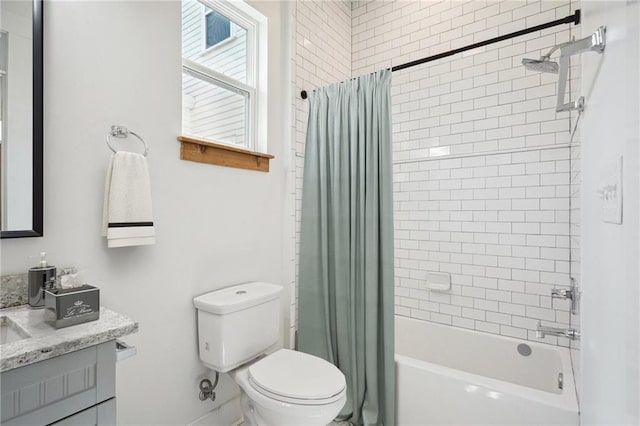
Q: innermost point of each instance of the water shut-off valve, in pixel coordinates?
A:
(207, 389)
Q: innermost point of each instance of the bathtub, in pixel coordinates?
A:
(454, 376)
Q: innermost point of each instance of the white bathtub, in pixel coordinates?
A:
(453, 376)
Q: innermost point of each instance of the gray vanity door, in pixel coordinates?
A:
(47, 391)
(99, 415)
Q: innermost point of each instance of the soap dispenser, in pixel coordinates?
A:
(40, 277)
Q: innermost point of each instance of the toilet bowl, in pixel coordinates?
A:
(289, 388)
(238, 329)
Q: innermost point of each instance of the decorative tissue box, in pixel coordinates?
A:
(71, 306)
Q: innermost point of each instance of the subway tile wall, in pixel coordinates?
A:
(483, 181)
(499, 224)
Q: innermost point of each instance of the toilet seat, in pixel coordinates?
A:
(297, 378)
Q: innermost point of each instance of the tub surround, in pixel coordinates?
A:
(482, 162)
(47, 342)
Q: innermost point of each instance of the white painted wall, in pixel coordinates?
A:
(610, 298)
(120, 63)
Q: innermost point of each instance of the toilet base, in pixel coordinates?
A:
(261, 416)
(248, 412)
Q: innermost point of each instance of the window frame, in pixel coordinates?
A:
(243, 15)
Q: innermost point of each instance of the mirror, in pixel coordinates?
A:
(21, 136)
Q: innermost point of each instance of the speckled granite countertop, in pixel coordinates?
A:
(47, 342)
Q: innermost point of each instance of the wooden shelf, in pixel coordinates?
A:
(206, 151)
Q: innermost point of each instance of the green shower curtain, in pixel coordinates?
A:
(346, 253)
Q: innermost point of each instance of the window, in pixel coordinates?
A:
(217, 28)
(224, 72)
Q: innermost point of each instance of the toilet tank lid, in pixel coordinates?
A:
(237, 297)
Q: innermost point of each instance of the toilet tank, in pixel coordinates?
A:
(237, 324)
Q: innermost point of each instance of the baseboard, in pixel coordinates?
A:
(227, 414)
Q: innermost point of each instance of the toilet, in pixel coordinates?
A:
(238, 333)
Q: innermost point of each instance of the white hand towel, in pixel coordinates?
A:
(127, 219)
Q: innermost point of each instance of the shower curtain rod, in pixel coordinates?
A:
(575, 19)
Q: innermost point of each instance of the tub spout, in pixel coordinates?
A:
(569, 333)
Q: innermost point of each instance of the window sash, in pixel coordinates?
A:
(210, 76)
(237, 18)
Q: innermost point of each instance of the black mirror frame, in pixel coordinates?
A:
(38, 131)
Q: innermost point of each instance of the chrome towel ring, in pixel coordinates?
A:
(123, 132)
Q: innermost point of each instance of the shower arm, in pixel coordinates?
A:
(595, 42)
(553, 49)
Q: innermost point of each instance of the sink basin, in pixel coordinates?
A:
(10, 331)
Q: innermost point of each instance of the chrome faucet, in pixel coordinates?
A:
(572, 294)
(557, 293)
(569, 333)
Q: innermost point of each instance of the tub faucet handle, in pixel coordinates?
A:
(557, 293)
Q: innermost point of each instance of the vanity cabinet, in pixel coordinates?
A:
(77, 388)
(101, 414)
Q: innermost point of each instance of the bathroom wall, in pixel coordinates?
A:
(481, 160)
(322, 45)
(610, 295)
(120, 63)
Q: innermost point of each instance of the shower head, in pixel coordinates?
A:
(541, 65)
(596, 42)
